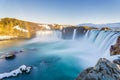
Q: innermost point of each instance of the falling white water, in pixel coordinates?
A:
(96, 44)
(74, 34)
(47, 36)
(102, 40)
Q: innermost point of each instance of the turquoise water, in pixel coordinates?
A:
(50, 61)
(52, 58)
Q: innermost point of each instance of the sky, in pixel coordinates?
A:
(62, 11)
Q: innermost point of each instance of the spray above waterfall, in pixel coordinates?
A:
(46, 36)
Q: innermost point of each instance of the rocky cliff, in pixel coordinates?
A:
(115, 49)
(76, 32)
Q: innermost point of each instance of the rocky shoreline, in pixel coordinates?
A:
(104, 69)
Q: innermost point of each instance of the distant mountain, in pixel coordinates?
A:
(112, 25)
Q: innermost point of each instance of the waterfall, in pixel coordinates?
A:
(101, 39)
(47, 36)
(74, 34)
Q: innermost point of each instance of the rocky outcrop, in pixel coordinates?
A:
(68, 32)
(117, 61)
(10, 56)
(76, 32)
(105, 28)
(80, 31)
(103, 70)
(115, 49)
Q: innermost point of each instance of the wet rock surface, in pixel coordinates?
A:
(117, 61)
(115, 49)
(103, 70)
(68, 32)
(10, 56)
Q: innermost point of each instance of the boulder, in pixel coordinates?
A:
(117, 61)
(103, 70)
(115, 49)
(10, 56)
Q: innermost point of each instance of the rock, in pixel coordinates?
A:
(117, 61)
(115, 49)
(68, 32)
(82, 74)
(21, 51)
(81, 31)
(105, 28)
(103, 70)
(10, 56)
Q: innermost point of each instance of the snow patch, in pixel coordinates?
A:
(7, 37)
(45, 26)
(16, 72)
(20, 29)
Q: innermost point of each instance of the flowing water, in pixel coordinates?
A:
(74, 34)
(53, 58)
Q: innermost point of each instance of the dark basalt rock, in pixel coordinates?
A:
(103, 70)
(115, 49)
(10, 56)
(67, 33)
(80, 32)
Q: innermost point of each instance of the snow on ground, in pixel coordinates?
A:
(45, 26)
(6, 37)
(19, 28)
(16, 72)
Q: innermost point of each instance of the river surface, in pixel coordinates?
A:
(53, 58)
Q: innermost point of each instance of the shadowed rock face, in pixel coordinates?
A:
(103, 70)
(80, 32)
(68, 32)
(115, 49)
